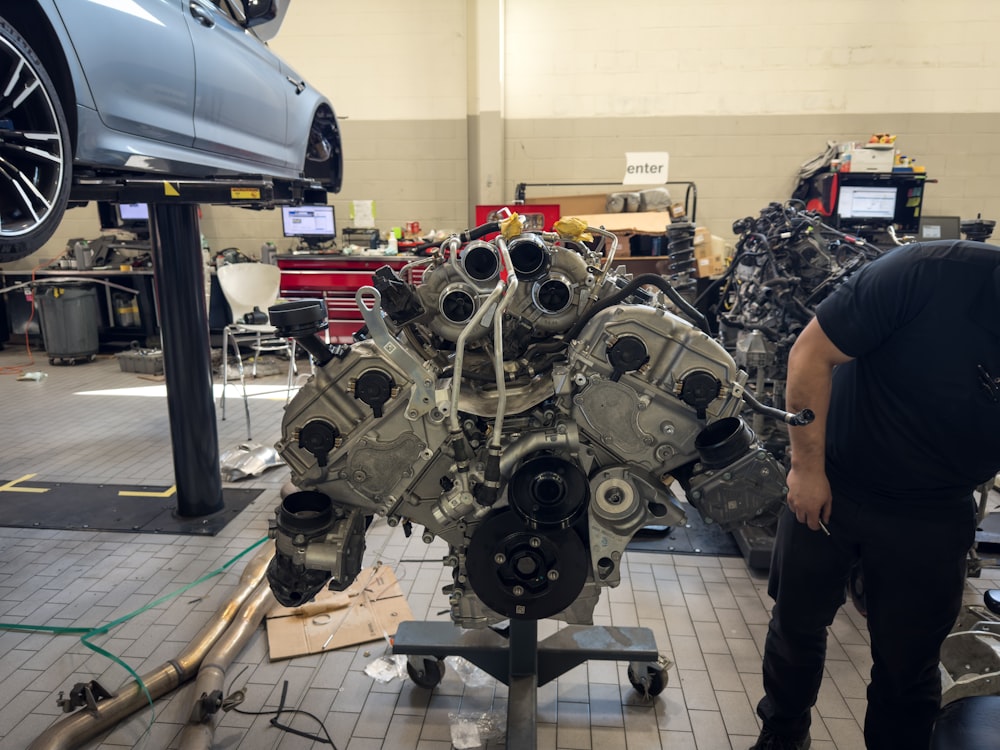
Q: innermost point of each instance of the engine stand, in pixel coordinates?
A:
(523, 663)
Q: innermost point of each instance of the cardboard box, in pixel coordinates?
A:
(370, 609)
(710, 254)
(872, 159)
(593, 210)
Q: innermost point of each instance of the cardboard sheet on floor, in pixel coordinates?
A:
(370, 609)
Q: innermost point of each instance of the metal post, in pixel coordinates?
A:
(522, 696)
(180, 292)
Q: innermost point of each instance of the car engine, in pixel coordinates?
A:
(528, 403)
(786, 262)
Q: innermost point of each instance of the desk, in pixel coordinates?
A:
(146, 330)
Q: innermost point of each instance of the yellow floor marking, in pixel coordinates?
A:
(166, 493)
(12, 486)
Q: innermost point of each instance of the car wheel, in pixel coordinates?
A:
(324, 160)
(35, 153)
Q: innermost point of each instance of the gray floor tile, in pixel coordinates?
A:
(709, 615)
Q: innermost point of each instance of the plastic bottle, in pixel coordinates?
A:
(393, 247)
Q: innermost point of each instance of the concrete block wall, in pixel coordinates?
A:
(739, 94)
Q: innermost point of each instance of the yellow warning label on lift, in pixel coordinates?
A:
(171, 190)
(244, 194)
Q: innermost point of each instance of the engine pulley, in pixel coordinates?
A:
(548, 492)
(523, 573)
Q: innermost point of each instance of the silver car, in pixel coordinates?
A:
(180, 88)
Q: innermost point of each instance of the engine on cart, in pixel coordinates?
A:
(786, 262)
(527, 403)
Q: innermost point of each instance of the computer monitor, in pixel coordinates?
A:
(312, 224)
(131, 212)
(867, 204)
(874, 201)
(940, 228)
(132, 217)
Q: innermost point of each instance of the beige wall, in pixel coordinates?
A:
(448, 102)
(739, 164)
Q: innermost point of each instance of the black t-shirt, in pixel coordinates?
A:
(910, 420)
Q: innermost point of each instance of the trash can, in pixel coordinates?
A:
(70, 321)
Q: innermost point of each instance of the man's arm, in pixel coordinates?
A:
(810, 376)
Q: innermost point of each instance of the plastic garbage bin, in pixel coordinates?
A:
(70, 322)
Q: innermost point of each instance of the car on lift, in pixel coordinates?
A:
(171, 88)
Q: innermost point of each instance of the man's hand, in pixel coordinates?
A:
(810, 377)
(809, 497)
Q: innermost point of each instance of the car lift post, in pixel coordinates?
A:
(179, 276)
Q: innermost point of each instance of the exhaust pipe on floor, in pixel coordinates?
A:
(209, 687)
(75, 729)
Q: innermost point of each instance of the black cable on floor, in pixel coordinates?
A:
(231, 703)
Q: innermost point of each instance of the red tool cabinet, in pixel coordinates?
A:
(335, 279)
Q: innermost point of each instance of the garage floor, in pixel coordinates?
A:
(93, 423)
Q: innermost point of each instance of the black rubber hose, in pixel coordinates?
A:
(481, 231)
(467, 236)
(647, 278)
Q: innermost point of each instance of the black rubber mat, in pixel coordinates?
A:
(31, 504)
(694, 538)
(989, 531)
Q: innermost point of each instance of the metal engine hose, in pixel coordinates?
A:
(797, 419)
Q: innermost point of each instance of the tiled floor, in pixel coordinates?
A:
(709, 614)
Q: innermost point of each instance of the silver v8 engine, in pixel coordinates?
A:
(527, 403)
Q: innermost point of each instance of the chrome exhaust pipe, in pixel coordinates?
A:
(75, 729)
(209, 687)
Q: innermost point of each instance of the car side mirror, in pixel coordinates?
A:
(264, 16)
(259, 11)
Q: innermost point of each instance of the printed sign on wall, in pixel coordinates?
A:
(646, 167)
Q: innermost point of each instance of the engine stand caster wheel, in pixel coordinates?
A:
(648, 677)
(425, 671)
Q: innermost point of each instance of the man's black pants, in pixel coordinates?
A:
(914, 568)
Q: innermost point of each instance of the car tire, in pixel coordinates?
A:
(35, 151)
(324, 158)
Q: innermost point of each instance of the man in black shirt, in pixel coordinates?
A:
(900, 366)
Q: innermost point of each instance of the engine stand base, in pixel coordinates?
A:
(755, 545)
(523, 663)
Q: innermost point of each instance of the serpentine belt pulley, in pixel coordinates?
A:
(524, 573)
(548, 492)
